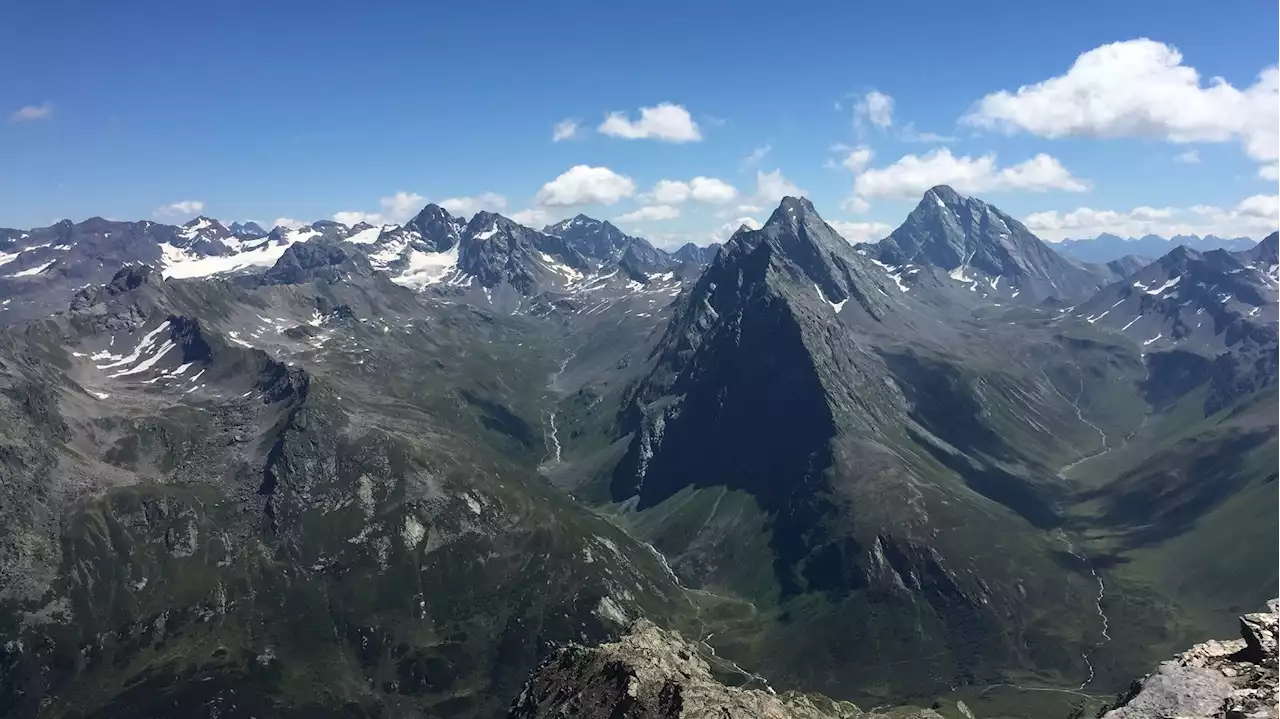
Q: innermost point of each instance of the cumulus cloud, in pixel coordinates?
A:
(666, 122)
(771, 187)
(1269, 172)
(564, 130)
(401, 206)
(351, 218)
(586, 185)
(874, 107)
(396, 209)
(468, 206)
(649, 213)
(30, 113)
(1190, 157)
(287, 222)
(1140, 88)
(725, 231)
(700, 189)
(179, 209)
(532, 217)
(911, 175)
(856, 232)
(1254, 216)
(856, 159)
(855, 204)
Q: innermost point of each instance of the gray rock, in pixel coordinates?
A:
(1215, 680)
(655, 674)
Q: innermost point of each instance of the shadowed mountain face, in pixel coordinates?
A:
(376, 471)
(873, 491)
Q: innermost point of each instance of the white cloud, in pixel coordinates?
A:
(911, 134)
(287, 222)
(1190, 157)
(1254, 216)
(351, 218)
(586, 185)
(876, 108)
(856, 232)
(756, 156)
(564, 130)
(396, 209)
(855, 204)
(666, 122)
(1269, 172)
(1140, 88)
(649, 213)
(43, 111)
(401, 206)
(771, 187)
(532, 217)
(179, 209)
(701, 189)
(857, 159)
(468, 206)
(911, 175)
(725, 231)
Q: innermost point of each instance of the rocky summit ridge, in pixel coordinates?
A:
(651, 673)
(1234, 679)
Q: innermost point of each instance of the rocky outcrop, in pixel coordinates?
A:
(655, 674)
(1234, 679)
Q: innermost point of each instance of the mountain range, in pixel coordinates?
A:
(1108, 247)
(388, 471)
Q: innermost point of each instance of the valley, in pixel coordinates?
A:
(387, 471)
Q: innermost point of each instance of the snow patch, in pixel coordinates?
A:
(428, 268)
(1171, 283)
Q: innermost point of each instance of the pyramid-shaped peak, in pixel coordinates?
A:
(431, 210)
(945, 194)
(792, 210)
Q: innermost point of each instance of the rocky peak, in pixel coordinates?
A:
(247, 230)
(691, 254)
(1267, 251)
(1234, 679)
(969, 238)
(438, 229)
(494, 249)
(655, 674)
(126, 279)
(602, 242)
(321, 259)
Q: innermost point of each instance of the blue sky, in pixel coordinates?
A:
(303, 110)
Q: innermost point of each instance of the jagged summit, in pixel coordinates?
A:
(652, 673)
(978, 243)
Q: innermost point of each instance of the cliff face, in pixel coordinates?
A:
(655, 674)
(1235, 679)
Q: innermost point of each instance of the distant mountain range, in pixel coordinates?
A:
(1107, 247)
(367, 471)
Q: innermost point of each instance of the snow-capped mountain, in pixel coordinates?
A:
(1190, 299)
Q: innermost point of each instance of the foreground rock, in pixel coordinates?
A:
(654, 674)
(1229, 680)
